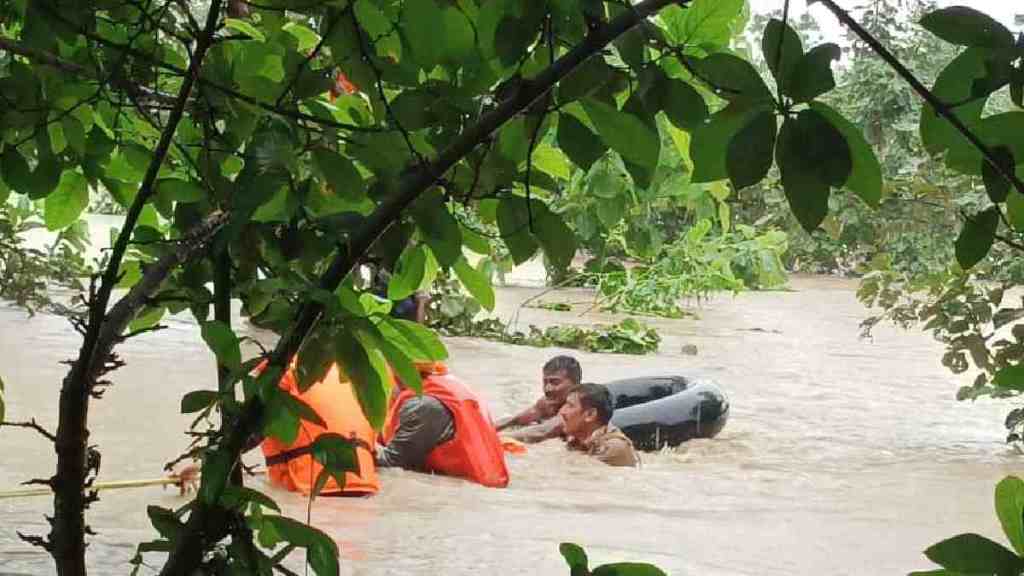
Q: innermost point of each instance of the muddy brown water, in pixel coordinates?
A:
(842, 456)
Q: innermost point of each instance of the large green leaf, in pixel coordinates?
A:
(954, 86)
(1010, 509)
(421, 22)
(732, 78)
(438, 226)
(336, 454)
(585, 79)
(514, 222)
(575, 557)
(812, 75)
(340, 173)
(975, 554)
(866, 173)
(809, 172)
(751, 151)
(197, 400)
(1010, 377)
(703, 22)
(782, 51)
(555, 237)
(683, 105)
(628, 569)
(625, 133)
(177, 190)
(458, 37)
(967, 27)
(322, 552)
(416, 340)
(365, 366)
(401, 362)
(315, 358)
(416, 268)
(64, 206)
(976, 237)
(709, 142)
(578, 142)
(478, 284)
(222, 340)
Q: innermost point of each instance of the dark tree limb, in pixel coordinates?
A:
(940, 107)
(199, 532)
(67, 536)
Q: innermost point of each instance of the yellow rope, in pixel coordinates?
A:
(118, 485)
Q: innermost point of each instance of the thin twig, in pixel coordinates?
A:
(32, 424)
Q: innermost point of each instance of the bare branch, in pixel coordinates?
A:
(32, 424)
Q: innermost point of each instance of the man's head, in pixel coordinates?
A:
(587, 408)
(560, 374)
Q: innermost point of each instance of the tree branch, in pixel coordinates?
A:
(32, 424)
(67, 535)
(940, 107)
(195, 539)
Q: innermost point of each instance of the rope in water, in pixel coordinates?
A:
(172, 480)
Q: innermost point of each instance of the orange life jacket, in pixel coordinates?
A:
(475, 452)
(335, 401)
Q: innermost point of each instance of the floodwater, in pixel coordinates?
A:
(841, 456)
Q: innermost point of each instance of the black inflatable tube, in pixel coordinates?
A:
(662, 411)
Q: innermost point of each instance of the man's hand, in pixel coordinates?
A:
(546, 408)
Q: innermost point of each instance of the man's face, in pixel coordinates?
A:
(574, 416)
(556, 385)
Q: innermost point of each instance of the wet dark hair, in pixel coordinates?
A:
(566, 364)
(597, 397)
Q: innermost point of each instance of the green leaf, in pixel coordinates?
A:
(1015, 210)
(74, 132)
(64, 206)
(1010, 378)
(307, 38)
(628, 569)
(552, 161)
(625, 133)
(237, 496)
(575, 557)
(340, 173)
(398, 359)
(998, 187)
(578, 142)
(813, 75)
(514, 221)
(782, 50)
(244, 27)
(683, 105)
(974, 554)
(1010, 508)
(750, 152)
(415, 340)
(197, 400)
(976, 237)
(175, 190)
(217, 465)
(732, 78)
(147, 318)
(808, 172)
(710, 141)
(555, 237)
(438, 226)
(55, 131)
(457, 35)
(954, 85)
(15, 171)
(315, 358)
(421, 22)
(281, 420)
(323, 558)
(165, 522)
(336, 454)
(511, 38)
(585, 79)
(478, 284)
(866, 173)
(967, 27)
(368, 372)
(222, 340)
(704, 21)
(412, 272)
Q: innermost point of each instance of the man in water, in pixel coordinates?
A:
(585, 420)
(559, 375)
(445, 429)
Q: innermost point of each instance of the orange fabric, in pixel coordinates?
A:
(335, 401)
(513, 446)
(475, 453)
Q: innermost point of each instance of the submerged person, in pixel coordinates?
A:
(585, 417)
(446, 430)
(540, 421)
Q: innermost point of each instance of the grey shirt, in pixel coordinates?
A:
(423, 423)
